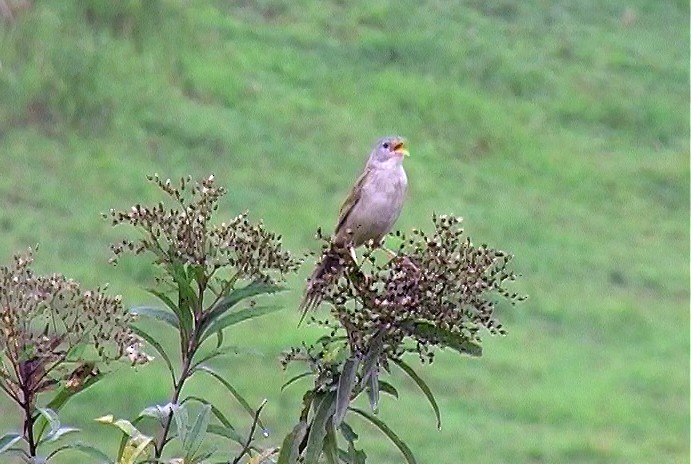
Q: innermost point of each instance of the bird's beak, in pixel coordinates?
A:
(400, 149)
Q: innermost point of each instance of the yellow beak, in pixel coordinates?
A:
(400, 149)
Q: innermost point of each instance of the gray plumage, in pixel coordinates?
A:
(368, 213)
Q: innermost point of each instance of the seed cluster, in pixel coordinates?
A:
(47, 323)
(440, 290)
(184, 232)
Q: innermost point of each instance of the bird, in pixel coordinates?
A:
(368, 212)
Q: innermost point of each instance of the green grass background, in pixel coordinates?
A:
(559, 130)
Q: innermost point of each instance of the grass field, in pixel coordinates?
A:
(559, 131)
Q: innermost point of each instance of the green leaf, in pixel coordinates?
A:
(158, 314)
(86, 449)
(59, 433)
(196, 272)
(183, 315)
(213, 354)
(330, 444)
(157, 346)
(136, 442)
(232, 434)
(157, 412)
(353, 455)
(235, 296)
(346, 383)
(348, 432)
(219, 339)
(407, 453)
(373, 391)
(238, 397)
(236, 317)
(53, 421)
(225, 432)
(453, 340)
(295, 379)
(324, 410)
(130, 434)
(64, 394)
(423, 386)
(371, 362)
(195, 436)
(290, 448)
(186, 296)
(386, 387)
(8, 440)
(181, 422)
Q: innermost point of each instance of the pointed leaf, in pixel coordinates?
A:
(323, 412)
(157, 412)
(226, 432)
(330, 444)
(290, 449)
(295, 379)
(186, 296)
(235, 296)
(64, 394)
(181, 422)
(8, 440)
(373, 391)
(235, 317)
(157, 346)
(156, 313)
(183, 316)
(371, 362)
(126, 426)
(346, 383)
(263, 456)
(353, 455)
(59, 433)
(423, 386)
(220, 352)
(407, 453)
(53, 421)
(453, 340)
(386, 387)
(238, 397)
(195, 437)
(231, 433)
(348, 432)
(95, 453)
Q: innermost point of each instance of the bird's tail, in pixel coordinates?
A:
(325, 274)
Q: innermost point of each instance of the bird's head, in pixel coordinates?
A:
(389, 149)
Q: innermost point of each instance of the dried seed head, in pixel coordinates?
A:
(185, 233)
(45, 318)
(441, 290)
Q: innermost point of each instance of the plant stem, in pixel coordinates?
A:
(28, 421)
(188, 354)
(184, 375)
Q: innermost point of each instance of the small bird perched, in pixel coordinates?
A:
(368, 213)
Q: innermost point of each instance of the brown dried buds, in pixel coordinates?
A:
(439, 291)
(184, 232)
(52, 331)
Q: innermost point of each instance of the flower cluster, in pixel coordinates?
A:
(48, 324)
(184, 232)
(439, 291)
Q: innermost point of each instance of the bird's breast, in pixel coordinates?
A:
(379, 206)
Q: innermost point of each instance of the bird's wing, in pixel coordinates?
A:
(351, 201)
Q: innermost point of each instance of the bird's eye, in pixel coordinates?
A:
(386, 145)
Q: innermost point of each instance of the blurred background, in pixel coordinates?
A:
(559, 130)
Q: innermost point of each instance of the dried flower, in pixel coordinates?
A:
(439, 291)
(185, 233)
(48, 323)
